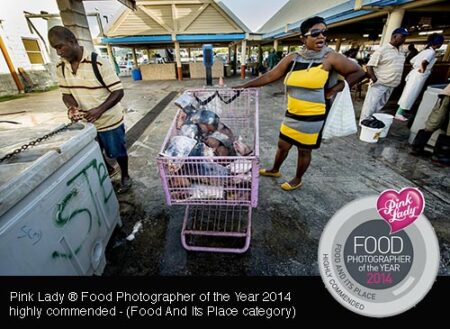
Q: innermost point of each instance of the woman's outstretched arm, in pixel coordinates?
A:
(273, 75)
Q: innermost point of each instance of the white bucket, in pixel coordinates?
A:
(370, 135)
(387, 120)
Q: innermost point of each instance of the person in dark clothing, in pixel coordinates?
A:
(273, 59)
(412, 52)
(439, 118)
(351, 54)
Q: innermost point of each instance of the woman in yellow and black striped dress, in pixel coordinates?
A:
(311, 81)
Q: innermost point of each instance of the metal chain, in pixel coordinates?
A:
(237, 93)
(35, 142)
(207, 100)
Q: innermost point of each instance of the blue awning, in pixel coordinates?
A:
(384, 3)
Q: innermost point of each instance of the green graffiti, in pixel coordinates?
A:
(102, 175)
(57, 254)
(62, 219)
(101, 179)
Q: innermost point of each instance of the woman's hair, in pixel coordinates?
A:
(435, 39)
(310, 22)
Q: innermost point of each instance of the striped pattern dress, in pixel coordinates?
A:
(89, 92)
(306, 105)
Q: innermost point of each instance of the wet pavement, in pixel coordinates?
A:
(286, 226)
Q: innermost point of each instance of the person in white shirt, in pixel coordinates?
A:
(385, 69)
(422, 64)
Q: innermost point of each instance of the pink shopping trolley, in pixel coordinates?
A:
(219, 192)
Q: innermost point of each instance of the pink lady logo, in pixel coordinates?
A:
(400, 209)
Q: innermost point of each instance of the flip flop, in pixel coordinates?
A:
(288, 187)
(263, 172)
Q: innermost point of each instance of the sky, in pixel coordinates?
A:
(245, 10)
(253, 13)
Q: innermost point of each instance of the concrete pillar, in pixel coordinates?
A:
(275, 45)
(74, 18)
(229, 62)
(178, 60)
(54, 21)
(135, 58)
(394, 21)
(243, 56)
(260, 54)
(235, 60)
(338, 44)
(110, 54)
(383, 33)
(447, 54)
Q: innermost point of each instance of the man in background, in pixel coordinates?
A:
(385, 69)
(273, 59)
(438, 119)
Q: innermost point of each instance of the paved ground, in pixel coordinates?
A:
(286, 225)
